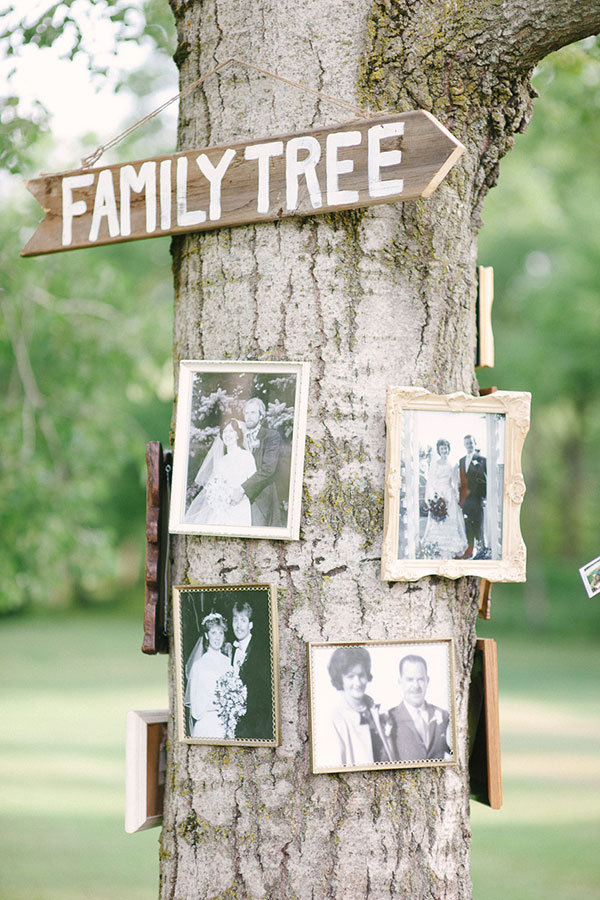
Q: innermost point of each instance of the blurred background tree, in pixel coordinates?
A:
(85, 347)
(541, 228)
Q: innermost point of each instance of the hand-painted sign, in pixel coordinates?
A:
(360, 163)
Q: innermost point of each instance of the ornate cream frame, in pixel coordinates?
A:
(516, 407)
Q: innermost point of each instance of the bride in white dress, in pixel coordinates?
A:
(445, 522)
(226, 467)
(203, 671)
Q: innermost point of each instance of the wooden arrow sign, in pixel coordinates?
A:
(360, 163)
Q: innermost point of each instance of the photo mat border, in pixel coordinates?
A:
(271, 589)
(515, 405)
(187, 369)
(377, 766)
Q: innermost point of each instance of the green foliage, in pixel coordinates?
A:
(85, 355)
(85, 364)
(76, 30)
(541, 235)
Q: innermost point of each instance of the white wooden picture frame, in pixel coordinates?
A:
(239, 448)
(145, 765)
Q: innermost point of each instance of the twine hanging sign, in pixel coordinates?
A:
(360, 163)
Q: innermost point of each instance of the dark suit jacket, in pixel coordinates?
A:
(261, 488)
(473, 484)
(406, 741)
(255, 673)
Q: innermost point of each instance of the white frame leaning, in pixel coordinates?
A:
(424, 645)
(270, 616)
(187, 370)
(139, 768)
(515, 406)
(585, 572)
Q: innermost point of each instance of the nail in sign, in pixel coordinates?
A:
(360, 163)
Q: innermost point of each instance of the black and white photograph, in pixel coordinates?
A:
(454, 495)
(239, 449)
(226, 662)
(381, 705)
(452, 485)
(590, 575)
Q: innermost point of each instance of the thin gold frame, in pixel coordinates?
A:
(271, 590)
(515, 405)
(397, 764)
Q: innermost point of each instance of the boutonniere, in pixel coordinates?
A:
(438, 716)
(475, 462)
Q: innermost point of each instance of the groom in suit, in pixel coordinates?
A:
(251, 662)
(472, 493)
(418, 728)
(266, 446)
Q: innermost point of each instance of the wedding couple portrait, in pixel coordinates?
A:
(239, 449)
(372, 706)
(452, 487)
(226, 665)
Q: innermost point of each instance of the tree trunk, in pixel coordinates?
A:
(371, 298)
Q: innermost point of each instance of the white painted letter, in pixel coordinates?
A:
(105, 205)
(295, 167)
(379, 158)
(131, 181)
(263, 152)
(165, 194)
(214, 174)
(196, 216)
(70, 207)
(336, 167)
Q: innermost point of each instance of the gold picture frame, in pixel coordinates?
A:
(226, 664)
(363, 723)
(422, 532)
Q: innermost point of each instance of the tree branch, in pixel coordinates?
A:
(528, 30)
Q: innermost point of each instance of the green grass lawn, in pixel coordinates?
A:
(68, 682)
(67, 685)
(544, 842)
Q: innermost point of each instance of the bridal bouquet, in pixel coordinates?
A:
(218, 492)
(230, 701)
(438, 508)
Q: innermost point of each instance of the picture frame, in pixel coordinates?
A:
(454, 483)
(145, 768)
(226, 694)
(485, 769)
(381, 704)
(590, 575)
(485, 334)
(239, 448)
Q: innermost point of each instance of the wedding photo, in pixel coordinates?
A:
(381, 705)
(239, 449)
(226, 664)
(454, 485)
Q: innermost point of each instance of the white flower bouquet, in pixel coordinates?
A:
(230, 701)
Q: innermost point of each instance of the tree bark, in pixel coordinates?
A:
(371, 298)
